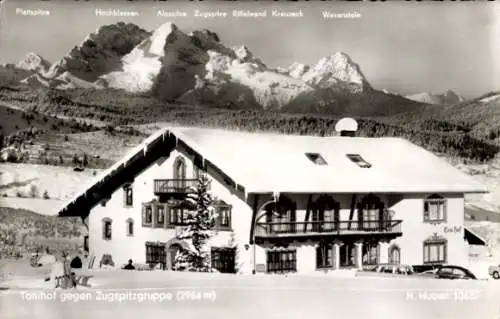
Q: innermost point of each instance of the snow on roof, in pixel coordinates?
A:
(277, 163)
(266, 162)
(102, 177)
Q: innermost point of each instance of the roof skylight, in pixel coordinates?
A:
(357, 159)
(316, 158)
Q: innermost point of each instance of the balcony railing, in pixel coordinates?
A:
(173, 186)
(278, 229)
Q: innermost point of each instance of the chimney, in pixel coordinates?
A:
(346, 127)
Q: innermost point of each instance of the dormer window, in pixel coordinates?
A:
(316, 158)
(357, 159)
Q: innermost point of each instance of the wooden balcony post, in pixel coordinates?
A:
(359, 255)
(336, 254)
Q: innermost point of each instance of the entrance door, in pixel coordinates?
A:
(223, 259)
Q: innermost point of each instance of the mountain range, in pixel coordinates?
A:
(197, 68)
(449, 98)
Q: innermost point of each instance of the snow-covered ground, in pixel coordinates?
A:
(59, 182)
(193, 295)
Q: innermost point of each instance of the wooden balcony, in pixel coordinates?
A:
(173, 186)
(320, 228)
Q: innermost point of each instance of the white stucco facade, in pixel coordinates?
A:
(407, 208)
(289, 210)
(123, 247)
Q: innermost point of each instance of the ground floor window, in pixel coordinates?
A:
(435, 251)
(223, 259)
(156, 254)
(370, 254)
(394, 255)
(324, 256)
(281, 261)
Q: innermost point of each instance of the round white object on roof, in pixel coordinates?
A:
(346, 124)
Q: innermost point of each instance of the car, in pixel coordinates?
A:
(494, 271)
(454, 272)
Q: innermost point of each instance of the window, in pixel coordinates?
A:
(179, 168)
(156, 254)
(370, 254)
(356, 158)
(147, 217)
(326, 215)
(160, 215)
(435, 250)
(324, 256)
(281, 216)
(435, 209)
(223, 259)
(370, 213)
(394, 255)
(281, 261)
(128, 195)
(130, 227)
(316, 158)
(106, 228)
(223, 215)
(179, 216)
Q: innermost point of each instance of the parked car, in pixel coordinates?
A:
(454, 272)
(494, 271)
(428, 273)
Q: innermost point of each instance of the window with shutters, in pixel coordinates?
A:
(130, 227)
(324, 256)
(223, 215)
(434, 209)
(282, 261)
(106, 228)
(160, 216)
(128, 195)
(147, 215)
(435, 250)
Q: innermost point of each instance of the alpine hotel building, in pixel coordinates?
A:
(285, 203)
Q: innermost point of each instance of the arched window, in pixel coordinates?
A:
(130, 226)
(371, 213)
(394, 254)
(179, 172)
(326, 214)
(106, 228)
(435, 250)
(282, 215)
(434, 209)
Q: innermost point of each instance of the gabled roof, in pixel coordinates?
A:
(275, 163)
(267, 162)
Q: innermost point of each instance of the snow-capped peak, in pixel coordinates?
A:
(297, 70)
(159, 36)
(336, 67)
(33, 62)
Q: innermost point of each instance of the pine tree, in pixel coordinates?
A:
(200, 224)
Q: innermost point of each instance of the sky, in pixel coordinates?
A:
(405, 47)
